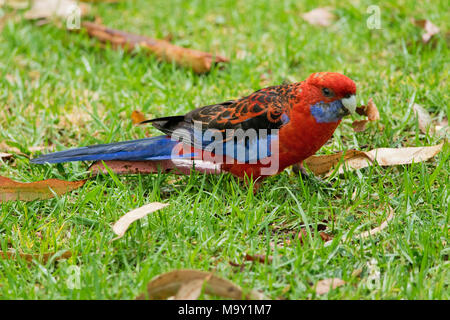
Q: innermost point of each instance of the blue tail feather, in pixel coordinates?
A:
(154, 148)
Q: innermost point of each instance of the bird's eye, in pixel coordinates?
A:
(327, 92)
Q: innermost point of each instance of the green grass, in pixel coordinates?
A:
(59, 88)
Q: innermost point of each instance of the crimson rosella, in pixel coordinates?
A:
(258, 135)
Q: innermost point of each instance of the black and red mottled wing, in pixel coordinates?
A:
(267, 108)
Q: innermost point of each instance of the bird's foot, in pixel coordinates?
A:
(298, 168)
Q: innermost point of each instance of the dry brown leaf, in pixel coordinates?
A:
(426, 123)
(31, 149)
(121, 226)
(429, 28)
(324, 163)
(191, 290)
(442, 124)
(325, 236)
(375, 230)
(137, 117)
(5, 156)
(234, 264)
(8, 149)
(178, 166)
(353, 159)
(372, 113)
(359, 125)
(15, 4)
(325, 285)
(48, 8)
(11, 190)
(261, 258)
(322, 17)
(168, 284)
(199, 61)
(30, 257)
(424, 118)
(372, 232)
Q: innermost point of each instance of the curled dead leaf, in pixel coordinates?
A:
(178, 166)
(354, 159)
(426, 124)
(373, 231)
(325, 285)
(199, 61)
(423, 117)
(261, 258)
(324, 163)
(121, 226)
(137, 117)
(191, 290)
(359, 125)
(11, 190)
(15, 4)
(169, 284)
(429, 28)
(325, 236)
(5, 156)
(372, 113)
(322, 17)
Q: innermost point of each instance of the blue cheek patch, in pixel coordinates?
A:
(328, 112)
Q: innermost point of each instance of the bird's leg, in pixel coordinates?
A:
(299, 168)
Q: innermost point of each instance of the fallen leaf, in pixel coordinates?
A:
(372, 232)
(325, 285)
(359, 125)
(423, 117)
(5, 156)
(442, 124)
(48, 8)
(31, 149)
(234, 264)
(11, 190)
(322, 17)
(430, 29)
(191, 290)
(16, 4)
(325, 236)
(137, 117)
(354, 159)
(199, 61)
(261, 258)
(324, 163)
(372, 113)
(178, 166)
(121, 226)
(375, 230)
(169, 284)
(40, 257)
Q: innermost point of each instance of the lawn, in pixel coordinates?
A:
(61, 89)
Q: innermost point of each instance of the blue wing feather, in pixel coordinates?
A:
(155, 148)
